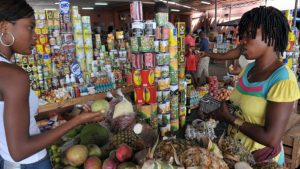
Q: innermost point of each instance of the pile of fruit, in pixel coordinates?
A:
(223, 94)
(213, 85)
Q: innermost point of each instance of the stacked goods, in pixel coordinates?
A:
(63, 66)
(291, 55)
(181, 77)
(143, 63)
(213, 86)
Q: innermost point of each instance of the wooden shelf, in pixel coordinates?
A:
(71, 102)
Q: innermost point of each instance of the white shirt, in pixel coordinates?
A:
(33, 129)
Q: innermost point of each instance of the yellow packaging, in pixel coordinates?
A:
(120, 35)
(40, 49)
(75, 11)
(38, 31)
(145, 111)
(49, 14)
(173, 65)
(47, 49)
(173, 37)
(180, 28)
(55, 15)
(86, 19)
(182, 111)
(173, 51)
(45, 31)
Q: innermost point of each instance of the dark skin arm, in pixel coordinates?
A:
(16, 116)
(230, 55)
(270, 135)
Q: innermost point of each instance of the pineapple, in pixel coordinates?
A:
(165, 150)
(127, 137)
(234, 151)
(200, 157)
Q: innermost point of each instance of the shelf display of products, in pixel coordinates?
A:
(64, 63)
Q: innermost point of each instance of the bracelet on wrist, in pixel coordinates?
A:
(238, 122)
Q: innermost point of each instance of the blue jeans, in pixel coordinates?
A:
(42, 164)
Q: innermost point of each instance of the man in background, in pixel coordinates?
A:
(203, 63)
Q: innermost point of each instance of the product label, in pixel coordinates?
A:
(64, 6)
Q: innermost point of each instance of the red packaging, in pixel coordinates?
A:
(165, 33)
(136, 77)
(136, 10)
(158, 33)
(138, 95)
(149, 60)
(149, 94)
(137, 61)
(147, 77)
(129, 79)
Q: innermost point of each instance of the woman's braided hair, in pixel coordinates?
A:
(273, 24)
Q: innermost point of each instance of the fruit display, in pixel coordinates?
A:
(213, 85)
(223, 94)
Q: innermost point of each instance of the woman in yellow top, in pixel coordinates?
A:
(266, 90)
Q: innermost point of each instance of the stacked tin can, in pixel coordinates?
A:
(143, 64)
(181, 77)
(88, 43)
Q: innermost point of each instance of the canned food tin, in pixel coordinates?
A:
(149, 60)
(161, 18)
(145, 111)
(165, 33)
(159, 96)
(174, 89)
(159, 119)
(173, 37)
(134, 41)
(150, 26)
(173, 52)
(174, 124)
(163, 83)
(162, 108)
(43, 39)
(156, 45)
(128, 79)
(137, 78)
(120, 35)
(181, 70)
(182, 121)
(158, 33)
(166, 58)
(157, 72)
(163, 46)
(137, 61)
(149, 94)
(138, 95)
(136, 10)
(173, 65)
(174, 103)
(154, 118)
(67, 38)
(168, 106)
(165, 95)
(166, 119)
(147, 44)
(182, 111)
(165, 71)
(174, 77)
(52, 41)
(147, 77)
(138, 28)
(159, 59)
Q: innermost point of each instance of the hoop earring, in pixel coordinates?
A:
(7, 45)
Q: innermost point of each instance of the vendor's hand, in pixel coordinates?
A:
(234, 70)
(202, 54)
(223, 114)
(88, 117)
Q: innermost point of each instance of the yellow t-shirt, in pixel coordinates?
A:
(252, 100)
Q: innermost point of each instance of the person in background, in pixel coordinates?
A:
(191, 64)
(21, 143)
(190, 40)
(203, 64)
(266, 90)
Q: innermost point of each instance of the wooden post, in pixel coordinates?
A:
(295, 13)
(216, 13)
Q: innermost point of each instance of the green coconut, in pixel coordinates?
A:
(94, 134)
